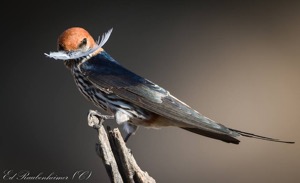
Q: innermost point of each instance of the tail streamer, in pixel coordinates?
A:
(251, 135)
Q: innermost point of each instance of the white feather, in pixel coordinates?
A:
(61, 55)
(105, 37)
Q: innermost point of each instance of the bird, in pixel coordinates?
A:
(129, 98)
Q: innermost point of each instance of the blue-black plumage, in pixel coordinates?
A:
(131, 99)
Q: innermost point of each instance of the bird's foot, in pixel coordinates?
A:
(95, 118)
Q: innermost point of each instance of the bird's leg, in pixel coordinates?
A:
(95, 118)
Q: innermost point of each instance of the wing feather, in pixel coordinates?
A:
(108, 74)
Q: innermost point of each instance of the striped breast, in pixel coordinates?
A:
(88, 90)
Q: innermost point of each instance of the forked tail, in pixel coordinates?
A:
(251, 135)
(231, 137)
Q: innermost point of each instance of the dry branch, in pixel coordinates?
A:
(117, 158)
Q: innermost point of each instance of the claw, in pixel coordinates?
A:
(95, 118)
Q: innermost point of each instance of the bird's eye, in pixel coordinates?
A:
(60, 47)
(82, 43)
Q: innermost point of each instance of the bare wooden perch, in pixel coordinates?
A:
(118, 160)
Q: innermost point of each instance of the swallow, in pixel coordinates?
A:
(130, 99)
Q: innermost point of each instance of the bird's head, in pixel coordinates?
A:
(75, 39)
(76, 45)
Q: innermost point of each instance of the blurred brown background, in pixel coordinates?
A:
(236, 62)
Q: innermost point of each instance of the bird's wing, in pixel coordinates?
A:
(106, 73)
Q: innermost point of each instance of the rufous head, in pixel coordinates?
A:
(77, 45)
(75, 39)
